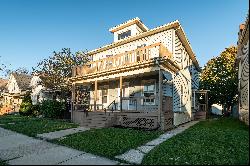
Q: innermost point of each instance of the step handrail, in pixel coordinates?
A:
(114, 103)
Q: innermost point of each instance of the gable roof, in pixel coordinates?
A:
(23, 80)
(136, 21)
(3, 83)
(172, 25)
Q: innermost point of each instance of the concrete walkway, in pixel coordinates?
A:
(18, 149)
(135, 156)
(61, 133)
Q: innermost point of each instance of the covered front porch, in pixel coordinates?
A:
(137, 100)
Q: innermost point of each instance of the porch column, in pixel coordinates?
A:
(160, 113)
(95, 97)
(120, 93)
(72, 100)
(206, 106)
(194, 99)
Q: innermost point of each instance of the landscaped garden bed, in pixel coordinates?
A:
(108, 142)
(215, 142)
(32, 126)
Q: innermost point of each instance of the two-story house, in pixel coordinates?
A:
(146, 78)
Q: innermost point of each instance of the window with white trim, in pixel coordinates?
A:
(124, 35)
(149, 91)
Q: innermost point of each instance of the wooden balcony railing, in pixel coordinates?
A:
(139, 55)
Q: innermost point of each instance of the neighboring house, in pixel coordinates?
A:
(146, 76)
(216, 109)
(17, 87)
(3, 83)
(37, 88)
(39, 92)
(242, 62)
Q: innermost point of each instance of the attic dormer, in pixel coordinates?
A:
(129, 28)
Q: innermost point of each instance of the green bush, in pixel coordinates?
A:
(53, 108)
(36, 109)
(26, 106)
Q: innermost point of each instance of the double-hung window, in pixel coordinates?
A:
(124, 35)
(149, 92)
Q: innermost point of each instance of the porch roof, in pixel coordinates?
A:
(129, 70)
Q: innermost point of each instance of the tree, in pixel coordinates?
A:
(26, 106)
(3, 69)
(22, 70)
(56, 70)
(220, 77)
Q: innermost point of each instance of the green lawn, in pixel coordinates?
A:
(108, 142)
(32, 126)
(213, 142)
(2, 163)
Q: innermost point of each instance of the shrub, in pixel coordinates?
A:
(52, 108)
(26, 106)
(36, 109)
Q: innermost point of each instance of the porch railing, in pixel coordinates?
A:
(112, 105)
(139, 55)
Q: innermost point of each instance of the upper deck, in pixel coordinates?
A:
(129, 60)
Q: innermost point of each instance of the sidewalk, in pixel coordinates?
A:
(61, 133)
(135, 156)
(18, 149)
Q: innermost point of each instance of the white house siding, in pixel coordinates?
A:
(244, 84)
(195, 78)
(12, 88)
(182, 94)
(36, 93)
(182, 81)
(12, 85)
(183, 59)
(165, 37)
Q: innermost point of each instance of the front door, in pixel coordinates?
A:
(104, 95)
(125, 93)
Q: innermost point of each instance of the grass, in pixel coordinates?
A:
(32, 126)
(108, 142)
(2, 162)
(213, 142)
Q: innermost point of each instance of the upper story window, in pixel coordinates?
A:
(109, 55)
(140, 46)
(124, 35)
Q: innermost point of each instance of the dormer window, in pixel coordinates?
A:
(124, 35)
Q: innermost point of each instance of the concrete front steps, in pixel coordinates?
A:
(98, 120)
(200, 115)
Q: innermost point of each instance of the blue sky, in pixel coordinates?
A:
(30, 30)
